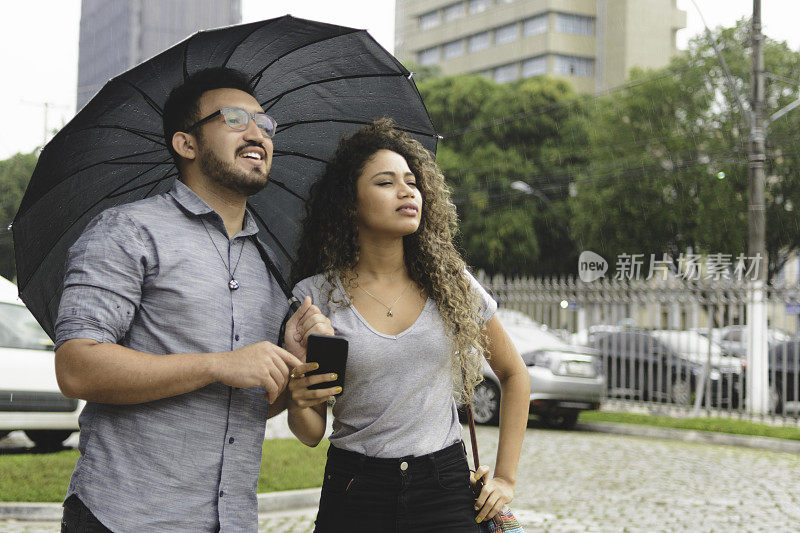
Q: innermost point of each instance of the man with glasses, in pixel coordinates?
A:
(168, 326)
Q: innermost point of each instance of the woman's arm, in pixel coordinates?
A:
(515, 391)
(306, 409)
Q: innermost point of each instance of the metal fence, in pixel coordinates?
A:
(669, 345)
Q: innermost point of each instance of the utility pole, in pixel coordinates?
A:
(757, 364)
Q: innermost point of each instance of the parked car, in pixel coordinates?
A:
(29, 396)
(665, 365)
(565, 379)
(733, 339)
(784, 378)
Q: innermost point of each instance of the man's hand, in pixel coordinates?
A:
(262, 364)
(495, 494)
(305, 321)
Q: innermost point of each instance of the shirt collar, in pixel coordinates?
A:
(190, 201)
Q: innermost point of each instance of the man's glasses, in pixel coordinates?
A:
(238, 119)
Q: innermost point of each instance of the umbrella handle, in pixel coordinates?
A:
(294, 303)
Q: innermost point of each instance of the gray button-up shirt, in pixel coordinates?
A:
(152, 276)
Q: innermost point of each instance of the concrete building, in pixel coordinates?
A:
(592, 43)
(116, 35)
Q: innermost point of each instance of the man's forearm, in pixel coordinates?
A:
(110, 373)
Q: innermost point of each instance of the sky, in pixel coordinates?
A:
(39, 48)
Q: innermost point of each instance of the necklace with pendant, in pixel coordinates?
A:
(232, 283)
(388, 307)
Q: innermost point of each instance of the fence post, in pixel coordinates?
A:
(757, 349)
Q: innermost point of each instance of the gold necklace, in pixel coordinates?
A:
(388, 307)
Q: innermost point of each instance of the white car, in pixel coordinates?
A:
(565, 379)
(29, 396)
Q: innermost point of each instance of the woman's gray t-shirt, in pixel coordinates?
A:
(398, 392)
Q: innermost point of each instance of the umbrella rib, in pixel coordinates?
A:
(233, 48)
(117, 192)
(274, 238)
(146, 97)
(287, 189)
(147, 135)
(256, 79)
(284, 127)
(275, 99)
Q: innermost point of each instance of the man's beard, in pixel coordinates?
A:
(230, 176)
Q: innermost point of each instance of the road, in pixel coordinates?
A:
(580, 481)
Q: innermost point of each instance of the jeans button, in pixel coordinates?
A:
(404, 466)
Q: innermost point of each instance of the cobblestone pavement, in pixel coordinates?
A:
(579, 481)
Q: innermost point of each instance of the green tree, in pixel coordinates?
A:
(15, 172)
(652, 182)
(497, 134)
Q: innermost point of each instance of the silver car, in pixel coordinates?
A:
(565, 379)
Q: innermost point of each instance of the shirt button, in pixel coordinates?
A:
(404, 466)
(230, 440)
(221, 493)
(236, 337)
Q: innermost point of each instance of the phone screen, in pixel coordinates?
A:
(330, 352)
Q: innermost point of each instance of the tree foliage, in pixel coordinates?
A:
(652, 183)
(503, 228)
(15, 172)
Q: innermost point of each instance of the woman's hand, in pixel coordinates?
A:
(300, 396)
(495, 494)
(306, 320)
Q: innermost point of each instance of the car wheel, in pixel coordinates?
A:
(774, 401)
(48, 439)
(486, 403)
(682, 392)
(560, 421)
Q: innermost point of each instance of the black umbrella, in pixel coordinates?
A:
(318, 80)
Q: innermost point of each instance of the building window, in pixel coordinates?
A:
(456, 11)
(428, 56)
(506, 73)
(480, 41)
(478, 6)
(574, 66)
(576, 24)
(506, 34)
(534, 66)
(454, 49)
(429, 20)
(535, 25)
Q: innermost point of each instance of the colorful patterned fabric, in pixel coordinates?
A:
(508, 524)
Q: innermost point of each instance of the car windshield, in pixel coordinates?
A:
(18, 329)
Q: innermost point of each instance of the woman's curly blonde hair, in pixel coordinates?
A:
(329, 241)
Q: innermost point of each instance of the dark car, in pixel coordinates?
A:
(666, 366)
(784, 361)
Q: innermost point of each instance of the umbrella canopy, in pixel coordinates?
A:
(319, 81)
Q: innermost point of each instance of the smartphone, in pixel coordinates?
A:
(330, 352)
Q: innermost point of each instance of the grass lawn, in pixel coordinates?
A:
(722, 425)
(286, 464)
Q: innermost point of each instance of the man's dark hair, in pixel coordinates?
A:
(182, 107)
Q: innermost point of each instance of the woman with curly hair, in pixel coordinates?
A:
(376, 255)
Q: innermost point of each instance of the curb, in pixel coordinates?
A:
(288, 500)
(691, 435)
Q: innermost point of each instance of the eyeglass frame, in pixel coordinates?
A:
(250, 117)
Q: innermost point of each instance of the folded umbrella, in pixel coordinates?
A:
(319, 81)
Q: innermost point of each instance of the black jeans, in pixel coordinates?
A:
(427, 493)
(79, 519)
